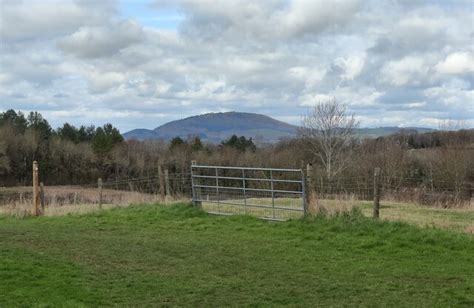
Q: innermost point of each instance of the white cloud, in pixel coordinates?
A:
(352, 66)
(97, 42)
(457, 63)
(407, 70)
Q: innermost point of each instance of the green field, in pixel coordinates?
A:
(456, 219)
(154, 255)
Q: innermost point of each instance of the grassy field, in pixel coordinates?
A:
(456, 219)
(461, 219)
(176, 255)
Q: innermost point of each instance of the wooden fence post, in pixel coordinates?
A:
(196, 203)
(162, 182)
(99, 185)
(167, 183)
(310, 193)
(42, 197)
(376, 193)
(36, 197)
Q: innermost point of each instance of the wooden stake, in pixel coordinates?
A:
(99, 184)
(167, 183)
(197, 204)
(162, 182)
(376, 193)
(310, 193)
(36, 197)
(42, 197)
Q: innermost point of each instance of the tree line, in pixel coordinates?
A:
(69, 155)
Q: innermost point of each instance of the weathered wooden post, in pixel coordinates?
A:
(75, 198)
(376, 193)
(162, 182)
(36, 197)
(99, 185)
(197, 203)
(310, 193)
(167, 185)
(42, 197)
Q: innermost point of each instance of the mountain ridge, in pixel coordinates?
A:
(215, 127)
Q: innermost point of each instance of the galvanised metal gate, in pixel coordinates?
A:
(269, 193)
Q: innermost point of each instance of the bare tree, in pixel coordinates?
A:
(328, 130)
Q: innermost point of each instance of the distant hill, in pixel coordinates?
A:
(215, 127)
(390, 130)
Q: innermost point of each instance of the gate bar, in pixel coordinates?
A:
(249, 179)
(252, 189)
(296, 209)
(246, 168)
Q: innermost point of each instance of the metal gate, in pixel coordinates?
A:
(276, 194)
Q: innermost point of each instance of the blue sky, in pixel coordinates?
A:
(144, 12)
(139, 64)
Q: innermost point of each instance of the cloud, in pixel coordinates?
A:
(407, 70)
(39, 20)
(405, 61)
(457, 63)
(97, 42)
(235, 20)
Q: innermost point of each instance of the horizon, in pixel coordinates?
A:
(141, 64)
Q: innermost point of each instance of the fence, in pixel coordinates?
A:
(269, 193)
(264, 192)
(161, 186)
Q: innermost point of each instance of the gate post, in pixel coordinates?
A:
(376, 193)
(99, 186)
(161, 180)
(36, 192)
(310, 194)
(167, 185)
(196, 203)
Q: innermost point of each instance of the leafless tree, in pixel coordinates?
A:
(328, 130)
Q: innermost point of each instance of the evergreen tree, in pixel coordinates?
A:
(39, 124)
(196, 145)
(68, 132)
(176, 142)
(16, 120)
(105, 139)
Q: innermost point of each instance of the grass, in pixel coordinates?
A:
(179, 256)
(456, 219)
(62, 200)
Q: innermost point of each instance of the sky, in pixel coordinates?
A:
(140, 64)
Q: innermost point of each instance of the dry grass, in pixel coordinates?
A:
(458, 219)
(342, 204)
(71, 199)
(62, 200)
(339, 205)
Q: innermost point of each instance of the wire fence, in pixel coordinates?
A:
(177, 185)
